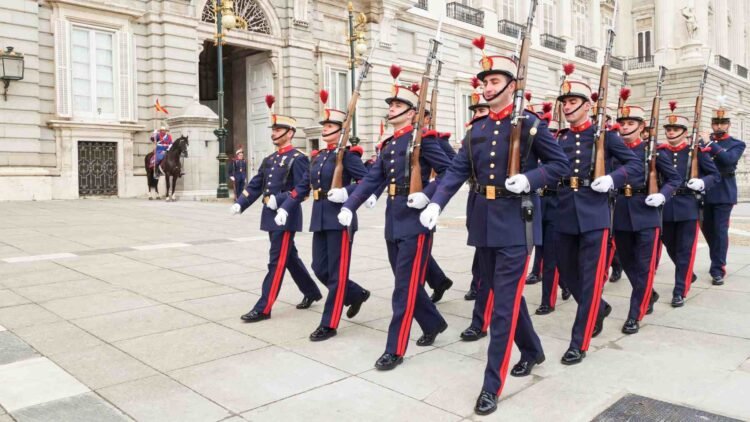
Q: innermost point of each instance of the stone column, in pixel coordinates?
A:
(595, 17)
(722, 30)
(565, 26)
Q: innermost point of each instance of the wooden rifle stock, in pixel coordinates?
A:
(415, 169)
(695, 149)
(652, 182)
(338, 172)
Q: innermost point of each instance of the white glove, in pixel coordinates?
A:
(281, 216)
(231, 178)
(518, 183)
(371, 201)
(429, 217)
(603, 184)
(271, 204)
(235, 209)
(696, 185)
(338, 196)
(345, 217)
(655, 200)
(417, 200)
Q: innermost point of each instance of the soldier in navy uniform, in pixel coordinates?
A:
(504, 259)
(726, 152)
(583, 215)
(637, 221)
(283, 183)
(681, 214)
(332, 242)
(408, 243)
(237, 172)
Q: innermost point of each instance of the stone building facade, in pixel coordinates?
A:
(82, 116)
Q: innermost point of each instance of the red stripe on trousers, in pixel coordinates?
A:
(280, 268)
(689, 275)
(343, 277)
(488, 310)
(423, 274)
(612, 250)
(403, 336)
(514, 320)
(597, 294)
(553, 293)
(650, 279)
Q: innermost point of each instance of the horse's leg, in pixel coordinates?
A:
(174, 184)
(148, 182)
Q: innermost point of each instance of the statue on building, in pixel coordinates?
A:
(691, 23)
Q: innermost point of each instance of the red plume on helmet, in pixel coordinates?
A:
(270, 99)
(624, 94)
(546, 107)
(415, 87)
(527, 95)
(475, 82)
(594, 96)
(479, 42)
(672, 105)
(323, 96)
(569, 68)
(395, 71)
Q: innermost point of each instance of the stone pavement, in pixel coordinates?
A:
(116, 310)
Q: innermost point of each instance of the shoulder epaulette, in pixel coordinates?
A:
(357, 150)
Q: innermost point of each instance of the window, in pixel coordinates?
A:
(338, 83)
(644, 44)
(464, 115)
(580, 22)
(406, 42)
(93, 71)
(507, 10)
(549, 10)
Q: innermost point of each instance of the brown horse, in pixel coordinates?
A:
(171, 166)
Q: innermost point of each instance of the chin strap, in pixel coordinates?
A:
(399, 114)
(499, 92)
(675, 137)
(577, 108)
(624, 135)
(323, 135)
(281, 136)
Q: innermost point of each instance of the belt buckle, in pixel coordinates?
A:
(316, 194)
(490, 194)
(628, 191)
(574, 182)
(392, 189)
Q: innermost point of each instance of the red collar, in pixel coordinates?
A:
(580, 128)
(285, 149)
(402, 131)
(500, 115)
(331, 146)
(723, 138)
(634, 144)
(677, 148)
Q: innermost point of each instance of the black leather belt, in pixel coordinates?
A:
(575, 182)
(398, 190)
(628, 191)
(319, 194)
(547, 192)
(728, 174)
(684, 191)
(493, 192)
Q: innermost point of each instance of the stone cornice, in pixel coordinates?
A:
(120, 9)
(119, 127)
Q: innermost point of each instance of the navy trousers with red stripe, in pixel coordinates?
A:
(505, 268)
(475, 273)
(536, 267)
(282, 256)
(582, 263)
(716, 231)
(332, 253)
(681, 240)
(550, 275)
(435, 276)
(408, 258)
(638, 251)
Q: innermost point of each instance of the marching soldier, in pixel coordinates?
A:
(283, 183)
(681, 214)
(726, 152)
(497, 208)
(637, 221)
(583, 212)
(331, 241)
(408, 243)
(237, 172)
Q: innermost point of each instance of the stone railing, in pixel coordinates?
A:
(509, 28)
(553, 42)
(586, 53)
(463, 13)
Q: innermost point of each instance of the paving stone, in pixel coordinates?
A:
(65, 289)
(13, 349)
(98, 304)
(102, 366)
(33, 381)
(25, 315)
(138, 322)
(161, 399)
(42, 277)
(188, 346)
(57, 337)
(82, 408)
(291, 374)
(218, 308)
(8, 298)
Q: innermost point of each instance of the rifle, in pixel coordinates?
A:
(597, 158)
(338, 172)
(653, 124)
(514, 152)
(413, 168)
(692, 168)
(434, 99)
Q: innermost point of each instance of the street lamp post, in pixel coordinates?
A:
(357, 47)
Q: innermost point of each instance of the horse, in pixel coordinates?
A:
(171, 167)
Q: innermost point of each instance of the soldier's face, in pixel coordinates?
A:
(396, 108)
(481, 112)
(630, 130)
(720, 127)
(494, 84)
(675, 135)
(575, 113)
(281, 139)
(240, 156)
(331, 128)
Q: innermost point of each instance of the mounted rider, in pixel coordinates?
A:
(163, 142)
